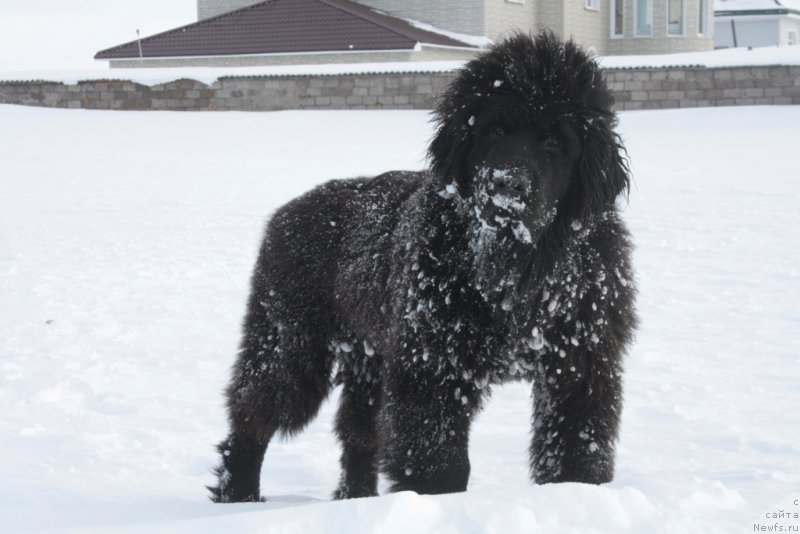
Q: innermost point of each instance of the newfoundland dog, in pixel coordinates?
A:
(419, 292)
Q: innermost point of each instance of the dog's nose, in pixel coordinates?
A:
(504, 179)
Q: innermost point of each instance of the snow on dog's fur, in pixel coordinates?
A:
(420, 291)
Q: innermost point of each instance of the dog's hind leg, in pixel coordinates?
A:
(356, 422)
(279, 381)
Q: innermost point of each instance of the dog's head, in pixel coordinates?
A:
(525, 133)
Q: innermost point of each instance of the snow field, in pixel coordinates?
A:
(126, 243)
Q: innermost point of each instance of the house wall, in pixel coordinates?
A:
(550, 15)
(588, 27)
(660, 42)
(592, 27)
(633, 89)
(462, 16)
(211, 8)
(790, 24)
(759, 30)
(506, 16)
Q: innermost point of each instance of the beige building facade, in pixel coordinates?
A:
(660, 27)
(625, 27)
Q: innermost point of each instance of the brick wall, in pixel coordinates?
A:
(462, 16)
(504, 17)
(634, 89)
(550, 15)
(589, 27)
(211, 8)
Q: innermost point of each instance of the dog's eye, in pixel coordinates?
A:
(552, 144)
(497, 131)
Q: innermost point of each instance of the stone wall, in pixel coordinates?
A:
(634, 89)
(703, 87)
(111, 94)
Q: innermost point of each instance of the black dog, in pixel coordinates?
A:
(420, 291)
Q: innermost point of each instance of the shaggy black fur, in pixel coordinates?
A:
(420, 291)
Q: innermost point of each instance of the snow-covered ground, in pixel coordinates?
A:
(126, 243)
(733, 57)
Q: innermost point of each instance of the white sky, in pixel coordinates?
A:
(66, 34)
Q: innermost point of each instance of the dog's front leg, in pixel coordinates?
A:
(426, 421)
(577, 404)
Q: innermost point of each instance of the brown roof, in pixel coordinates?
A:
(285, 26)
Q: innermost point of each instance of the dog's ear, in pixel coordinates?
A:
(451, 145)
(601, 173)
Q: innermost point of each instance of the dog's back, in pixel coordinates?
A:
(332, 232)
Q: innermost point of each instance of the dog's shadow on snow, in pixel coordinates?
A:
(291, 500)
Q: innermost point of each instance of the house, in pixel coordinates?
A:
(756, 23)
(251, 32)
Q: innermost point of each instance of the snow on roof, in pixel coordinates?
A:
(756, 5)
(745, 5)
(474, 40)
(208, 75)
(729, 57)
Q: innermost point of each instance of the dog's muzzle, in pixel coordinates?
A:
(503, 204)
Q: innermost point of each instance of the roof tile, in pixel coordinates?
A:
(285, 26)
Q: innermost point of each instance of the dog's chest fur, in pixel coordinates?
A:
(467, 304)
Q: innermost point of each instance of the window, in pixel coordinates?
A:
(593, 4)
(644, 17)
(702, 21)
(792, 38)
(617, 18)
(674, 17)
